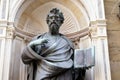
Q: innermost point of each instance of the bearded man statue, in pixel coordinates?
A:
(49, 55)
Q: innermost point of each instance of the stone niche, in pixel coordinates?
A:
(31, 20)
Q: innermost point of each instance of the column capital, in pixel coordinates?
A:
(10, 32)
(98, 28)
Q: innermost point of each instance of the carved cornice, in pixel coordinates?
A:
(3, 23)
(101, 22)
(77, 35)
(22, 34)
(73, 36)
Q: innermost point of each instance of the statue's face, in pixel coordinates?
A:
(54, 23)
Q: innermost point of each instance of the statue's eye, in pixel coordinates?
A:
(57, 18)
(51, 17)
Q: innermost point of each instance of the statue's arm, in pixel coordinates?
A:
(27, 57)
(29, 54)
(37, 42)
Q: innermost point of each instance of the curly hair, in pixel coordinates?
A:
(55, 11)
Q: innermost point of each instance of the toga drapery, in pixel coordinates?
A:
(53, 61)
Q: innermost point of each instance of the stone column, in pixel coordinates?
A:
(4, 8)
(100, 9)
(6, 41)
(17, 68)
(23, 67)
(99, 39)
(2, 47)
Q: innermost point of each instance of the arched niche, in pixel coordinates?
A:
(82, 12)
(30, 20)
(33, 18)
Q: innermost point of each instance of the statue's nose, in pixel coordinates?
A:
(53, 19)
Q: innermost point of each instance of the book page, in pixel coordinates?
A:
(84, 58)
(90, 56)
(79, 58)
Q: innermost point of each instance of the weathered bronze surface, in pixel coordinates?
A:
(50, 55)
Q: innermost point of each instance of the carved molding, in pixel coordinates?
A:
(100, 22)
(73, 36)
(3, 23)
(9, 32)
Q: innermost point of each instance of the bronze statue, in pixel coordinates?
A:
(49, 55)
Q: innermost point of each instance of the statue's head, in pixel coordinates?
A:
(54, 20)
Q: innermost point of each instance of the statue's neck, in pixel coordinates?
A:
(56, 34)
(52, 37)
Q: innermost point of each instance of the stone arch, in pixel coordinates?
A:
(78, 5)
(38, 16)
(15, 9)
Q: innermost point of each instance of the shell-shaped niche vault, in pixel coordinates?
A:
(33, 20)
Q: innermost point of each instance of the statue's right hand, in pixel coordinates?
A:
(44, 40)
(38, 42)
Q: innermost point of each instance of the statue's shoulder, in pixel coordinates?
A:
(64, 37)
(38, 36)
(67, 40)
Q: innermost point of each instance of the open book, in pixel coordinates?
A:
(84, 58)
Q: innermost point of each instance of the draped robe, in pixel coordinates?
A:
(52, 61)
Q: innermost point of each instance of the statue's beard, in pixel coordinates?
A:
(54, 28)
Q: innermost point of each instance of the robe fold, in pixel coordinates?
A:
(53, 62)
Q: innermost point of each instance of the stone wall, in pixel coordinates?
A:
(113, 29)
